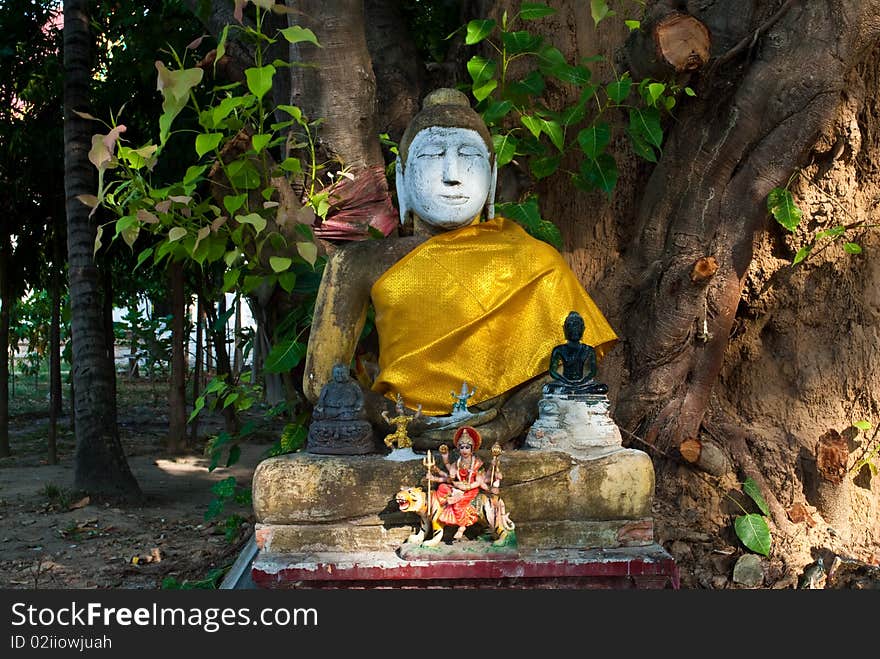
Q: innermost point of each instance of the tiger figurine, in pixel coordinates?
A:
(490, 513)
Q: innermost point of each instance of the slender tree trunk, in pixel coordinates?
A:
(236, 338)
(197, 368)
(177, 389)
(101, 467)
(55, 353)
(5, 304)
(230, 418)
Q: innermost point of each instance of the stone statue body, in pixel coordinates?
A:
(339, 424)
(446, 180)
(578, 362)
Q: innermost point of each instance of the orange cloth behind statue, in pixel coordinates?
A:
(482, 304)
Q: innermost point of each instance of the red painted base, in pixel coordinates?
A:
(631, 567)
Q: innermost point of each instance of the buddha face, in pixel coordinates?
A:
(448, 176)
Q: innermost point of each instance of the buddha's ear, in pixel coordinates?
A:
(402, 196)
(490, 199)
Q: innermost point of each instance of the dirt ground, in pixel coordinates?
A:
(52, 537)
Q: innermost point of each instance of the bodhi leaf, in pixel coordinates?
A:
(751, 488)
(781, 205)
(594, 139)
(297, 34)
(284, 356)
(529, 11)
(259, 79)
(599, 10)
(480, 69)
(477, 30)
(754, 533)
(505, 148)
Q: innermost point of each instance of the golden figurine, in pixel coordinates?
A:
(399, 438)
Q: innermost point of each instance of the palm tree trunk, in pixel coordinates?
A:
(177, 389)
(101, 468)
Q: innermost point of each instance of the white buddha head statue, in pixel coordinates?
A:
(446, 170)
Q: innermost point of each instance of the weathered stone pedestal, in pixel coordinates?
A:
(581, 522)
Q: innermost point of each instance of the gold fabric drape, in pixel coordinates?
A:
(483, 304)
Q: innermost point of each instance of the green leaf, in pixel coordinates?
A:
(618, 90)
(528, 215)
(215, 508)
(297, 34)
(852, 248)
(599, 173)
(496, 110)
(285, 356)
(632, 25)
(143, 256)
(293, 111)
(781, 204)
(279, 263)
(206, 142)
(233, 202)
(224, 489)
(862, 425)
(646, 123)
(243, 174)
(751, 488)
(193, 173)
(599, 10)
(594, 139)
(505, 148)
(234, 455)
(655, 90)
(641, 147)
(176, 234)
(480, 69)
(483, 90)
(477, 30)
(287, 281)
(532, 123)
(260, 141)
(520, 42)
(292, 165)
(259, 79)
(309, 252)
(529, 11)
(544, 166)
(554, 132)
(531, 85)
(230, 279)
(802, 253)
(257, 222)
(754, 533)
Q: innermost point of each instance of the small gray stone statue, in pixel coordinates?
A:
(339, 422)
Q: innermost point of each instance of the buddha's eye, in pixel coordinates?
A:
(469, 152)
(433, 154)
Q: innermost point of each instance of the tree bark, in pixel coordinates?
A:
(55, 394)
(101, 468)
(197, 367)
(176, 441)
(5, 305)
(338, 86)
(743, 135)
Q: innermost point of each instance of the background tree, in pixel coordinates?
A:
(101, 467)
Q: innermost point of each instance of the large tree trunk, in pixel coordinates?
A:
(177, 387)
(745, 133)
(338, 85)
(101, 467)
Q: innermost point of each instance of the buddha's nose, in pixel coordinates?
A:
(450, 169)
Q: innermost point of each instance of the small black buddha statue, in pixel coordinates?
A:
(578, 362)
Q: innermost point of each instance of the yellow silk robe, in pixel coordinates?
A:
(483, 304)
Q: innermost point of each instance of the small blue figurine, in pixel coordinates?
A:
(461, 399)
